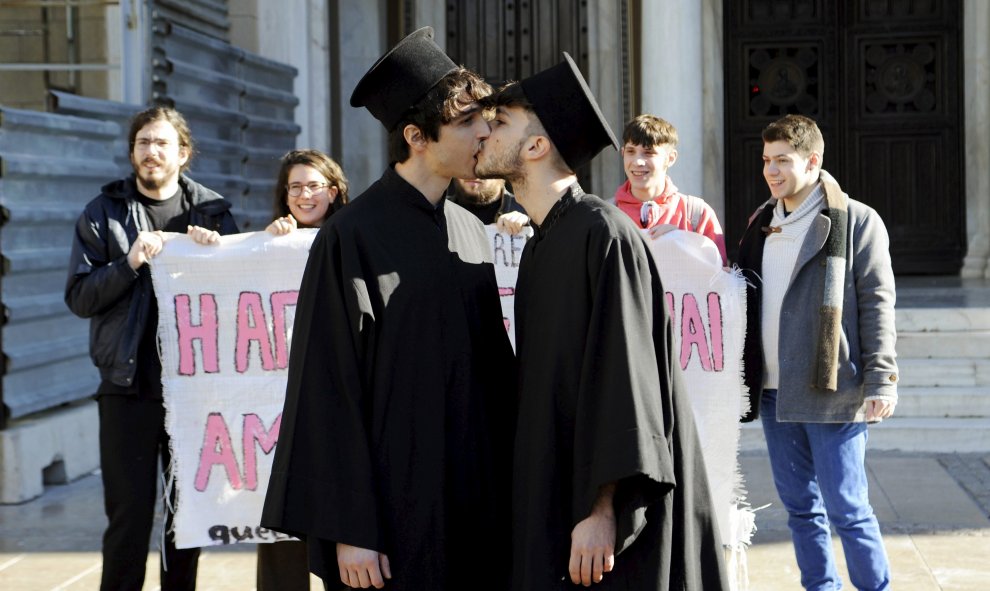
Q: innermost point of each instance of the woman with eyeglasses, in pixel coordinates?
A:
(311, 187)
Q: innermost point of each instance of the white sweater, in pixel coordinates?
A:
(779, 256)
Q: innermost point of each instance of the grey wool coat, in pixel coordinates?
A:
(865, 366)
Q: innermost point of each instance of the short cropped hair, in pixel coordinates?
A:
(511, 95)
(323, 164)
(649, 131)
(163, 114)
(441, 105)
(800, 132)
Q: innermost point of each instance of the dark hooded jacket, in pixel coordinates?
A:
(103, 287)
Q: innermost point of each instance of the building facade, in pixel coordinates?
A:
(901, 89)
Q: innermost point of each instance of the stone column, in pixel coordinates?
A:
(361, 38)
(432, 13)
(672, 39)
(605, 82)
(976, 74)
(713, 107)
(315, 88)
(130, 50)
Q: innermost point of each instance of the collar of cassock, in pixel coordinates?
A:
(410, 195)
(557, 211)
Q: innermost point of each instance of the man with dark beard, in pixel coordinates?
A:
(609, 486)
(490, 201)
(109, 282)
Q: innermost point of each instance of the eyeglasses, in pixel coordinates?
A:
(143, 144)
(312, 188)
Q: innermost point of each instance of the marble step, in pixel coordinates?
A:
(944, 372)
(942, 319)
(943, 345)
(943, 401)
(906, 434)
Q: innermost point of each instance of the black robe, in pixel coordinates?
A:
(397, 429)
(601, 401)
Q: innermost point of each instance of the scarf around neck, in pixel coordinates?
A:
(648, 213)
(810, 205)
(830, 312)
(836, 209)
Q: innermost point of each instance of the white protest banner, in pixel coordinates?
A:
(225, 323)
(707, 308)
(507, 251)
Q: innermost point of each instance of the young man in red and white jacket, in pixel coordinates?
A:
(649, 196)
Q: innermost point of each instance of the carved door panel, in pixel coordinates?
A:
(511, 39)
(883, 80)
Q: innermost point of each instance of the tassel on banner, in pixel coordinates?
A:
(168, 481)
(743, 519)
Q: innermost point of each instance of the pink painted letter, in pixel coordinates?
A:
(693, 333)
(205, 331)
(254, 430)
(715, 324)
(280, 301)
(217, 449)
(252, 325)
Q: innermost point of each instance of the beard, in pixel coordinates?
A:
(508, 165)
(485, 194)
(154, 180)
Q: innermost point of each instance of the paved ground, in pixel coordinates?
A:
(934, 510)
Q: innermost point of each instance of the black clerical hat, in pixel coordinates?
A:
(401, 77)
(568, 111)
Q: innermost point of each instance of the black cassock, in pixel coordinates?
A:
(397, 429)
(601, 401)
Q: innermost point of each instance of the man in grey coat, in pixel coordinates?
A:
(819, 351)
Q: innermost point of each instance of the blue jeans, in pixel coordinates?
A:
(820, 474)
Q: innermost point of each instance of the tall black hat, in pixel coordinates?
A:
(401, 77)
(568, 111)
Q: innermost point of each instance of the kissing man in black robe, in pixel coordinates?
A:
(393, 460)
(609, 483)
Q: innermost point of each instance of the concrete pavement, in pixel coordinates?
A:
(933, 509)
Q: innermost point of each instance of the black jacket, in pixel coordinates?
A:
(103, 287)
(488, 213)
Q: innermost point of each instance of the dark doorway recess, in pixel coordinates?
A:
(506, 40)
(883, 78)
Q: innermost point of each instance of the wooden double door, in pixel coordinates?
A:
(883, 79)
(505, 40)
